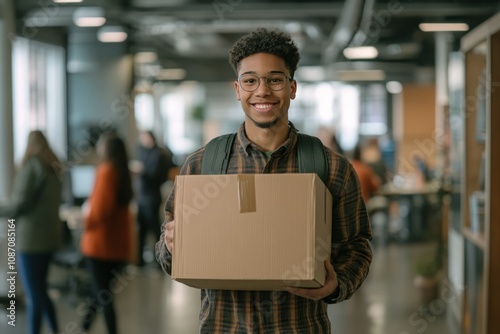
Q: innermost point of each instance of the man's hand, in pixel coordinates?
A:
(330, 286)
(169, 236)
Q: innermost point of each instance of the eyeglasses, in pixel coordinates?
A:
(250, 82)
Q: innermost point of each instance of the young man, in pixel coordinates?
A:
(265, 62)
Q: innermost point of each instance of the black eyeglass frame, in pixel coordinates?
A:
(267, 82)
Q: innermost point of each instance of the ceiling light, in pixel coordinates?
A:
(431, 27)
(360, 75)
(310, 73)
(112, 34)
(145, 57)
(172, 74)
(394, 87)
(361, 52)
(89, 17)
(67, 1)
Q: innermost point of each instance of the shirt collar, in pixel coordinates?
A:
(284, 149)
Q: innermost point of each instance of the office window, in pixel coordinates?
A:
(332, 105)
(173, 112)
(181, 119)
(39, 89)
(373, 110)
(348, 104)
(145, 111)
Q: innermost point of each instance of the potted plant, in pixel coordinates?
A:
(429, 274)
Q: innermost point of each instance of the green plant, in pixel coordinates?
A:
(429, 264)
(198, 112)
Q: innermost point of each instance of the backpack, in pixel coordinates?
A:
(311, 155)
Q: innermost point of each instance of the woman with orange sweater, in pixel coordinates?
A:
(106, 241)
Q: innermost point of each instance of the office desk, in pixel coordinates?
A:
(415, 209)
(73, 215)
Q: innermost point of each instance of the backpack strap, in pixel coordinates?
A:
(311, 156)
(216, 156)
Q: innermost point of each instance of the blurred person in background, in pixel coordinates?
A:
(153, 173)
(265, 62)
(329, 139)
(34, 204)
(107, 240)
(370, 182)
(371, 155)
(335, 145)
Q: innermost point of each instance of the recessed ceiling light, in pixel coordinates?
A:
(112, 34)
(361, 52)
(171, 74)
(67, 1)
(145, 57)
(89, 17)
(360, 75)
(432, 27)
(310, 73)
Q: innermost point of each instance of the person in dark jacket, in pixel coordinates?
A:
(156, 162)
(34, 204)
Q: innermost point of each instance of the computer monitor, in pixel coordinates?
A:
(82, 182)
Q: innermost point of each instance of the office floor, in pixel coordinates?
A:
(150, 302)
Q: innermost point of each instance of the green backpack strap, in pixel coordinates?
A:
(217, 153)
(311, 156)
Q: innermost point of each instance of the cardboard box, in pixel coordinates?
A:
(251, 231)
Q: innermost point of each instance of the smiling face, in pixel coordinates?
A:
(264, 108)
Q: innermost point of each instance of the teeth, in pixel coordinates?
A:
(263, 106)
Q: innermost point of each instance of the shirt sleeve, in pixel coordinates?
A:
(351, 252)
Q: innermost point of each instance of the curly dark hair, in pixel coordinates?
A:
(262, 40)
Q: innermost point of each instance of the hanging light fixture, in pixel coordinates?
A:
(433, 27)
(67, 1)
(89, 17)
(112, 34)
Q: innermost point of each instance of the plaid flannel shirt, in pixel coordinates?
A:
(225, 311)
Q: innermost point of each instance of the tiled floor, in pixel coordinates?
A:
(150, 302)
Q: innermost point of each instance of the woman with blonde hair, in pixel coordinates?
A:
(34, 204)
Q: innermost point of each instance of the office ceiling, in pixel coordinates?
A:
(195, 35)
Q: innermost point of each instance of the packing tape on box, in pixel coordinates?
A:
(246, 193)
